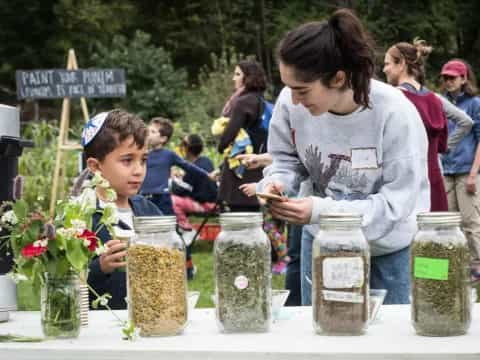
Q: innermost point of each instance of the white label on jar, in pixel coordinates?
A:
(342, 296)
(241, 282)
(343, 272)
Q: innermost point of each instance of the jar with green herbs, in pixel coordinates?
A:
(242, 274)
(156, 277)
(340, 276)
(441, 289)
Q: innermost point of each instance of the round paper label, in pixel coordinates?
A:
(241, 282)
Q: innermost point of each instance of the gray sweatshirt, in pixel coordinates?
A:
(372, 161)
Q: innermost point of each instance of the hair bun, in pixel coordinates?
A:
(423, 50)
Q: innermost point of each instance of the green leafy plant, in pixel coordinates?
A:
(50, 249)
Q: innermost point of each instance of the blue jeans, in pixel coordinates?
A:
(391, 272)
(292, 278)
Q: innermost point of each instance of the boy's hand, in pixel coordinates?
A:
(114, 256)
(214, 175)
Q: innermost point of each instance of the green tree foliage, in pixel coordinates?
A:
(154, 86)
(204, 102)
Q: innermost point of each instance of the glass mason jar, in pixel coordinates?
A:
(440, 274)
(340, 276)
(156, 277)
(60, 306)
(243, 274)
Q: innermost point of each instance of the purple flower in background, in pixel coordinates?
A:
(18, 183)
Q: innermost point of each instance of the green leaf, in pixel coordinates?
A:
(19, 338)
(101, 300)
(76, 253)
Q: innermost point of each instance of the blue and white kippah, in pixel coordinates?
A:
(93, 126)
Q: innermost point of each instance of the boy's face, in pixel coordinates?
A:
(125, 167)
(154, 137)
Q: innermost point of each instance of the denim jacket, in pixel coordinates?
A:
(460, 159)
(115, 282)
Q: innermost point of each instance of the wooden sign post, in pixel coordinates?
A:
(69, 83)
(62, 143)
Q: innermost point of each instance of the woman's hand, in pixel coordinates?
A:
(249, 189)
(471, 184)
(294, 211)
(255, 161)
(114, 257)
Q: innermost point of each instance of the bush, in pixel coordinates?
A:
(37, 164)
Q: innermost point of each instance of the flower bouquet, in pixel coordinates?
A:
(54, 253)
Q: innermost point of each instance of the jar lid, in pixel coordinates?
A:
(341, 218)
(243, 218)
(440, 217)
(154, 223)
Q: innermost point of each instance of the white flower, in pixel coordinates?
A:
(16, 277)
(66, 233)
(78, 225)
(10, 218)
(100, 250)
(87, 199)
(86, 242)
(41, 243)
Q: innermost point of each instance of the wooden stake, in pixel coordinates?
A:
(60, 165)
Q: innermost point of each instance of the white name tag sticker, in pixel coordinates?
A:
(364, 158)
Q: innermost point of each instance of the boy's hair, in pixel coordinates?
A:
(165, 126)
(118, 126)
(194, 144)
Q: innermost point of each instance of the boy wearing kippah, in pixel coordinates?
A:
(114, 144)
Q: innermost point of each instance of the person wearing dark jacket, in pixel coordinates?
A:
(114, 144)
(244, 109)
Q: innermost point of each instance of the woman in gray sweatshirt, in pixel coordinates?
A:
(359, 144)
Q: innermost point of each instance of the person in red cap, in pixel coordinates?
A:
(461, 165)
(404, 68)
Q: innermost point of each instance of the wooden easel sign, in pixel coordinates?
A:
(69, 83)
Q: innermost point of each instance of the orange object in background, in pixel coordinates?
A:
(209, 232)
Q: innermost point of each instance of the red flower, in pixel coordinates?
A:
(31, 250)
(91, 238)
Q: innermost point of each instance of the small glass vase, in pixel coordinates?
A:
(60, 306)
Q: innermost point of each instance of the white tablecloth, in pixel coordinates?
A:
(291, 337)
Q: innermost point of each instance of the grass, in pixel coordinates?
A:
(203, 281)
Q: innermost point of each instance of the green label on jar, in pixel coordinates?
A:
(428, 268)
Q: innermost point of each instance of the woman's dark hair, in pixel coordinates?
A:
(414, 55)
(470, 86)
(193, 144)
(318, 50)
(253, 75)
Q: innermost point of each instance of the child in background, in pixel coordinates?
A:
(202, 197)
(159, 164)
(114, 144)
